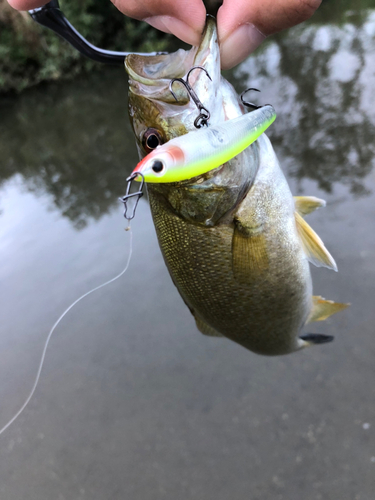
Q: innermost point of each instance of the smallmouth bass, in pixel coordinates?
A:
(234, 239)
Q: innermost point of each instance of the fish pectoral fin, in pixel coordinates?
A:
(323, 309)
(206, 329)
(249, 254)
(313, 246)
(306, 204)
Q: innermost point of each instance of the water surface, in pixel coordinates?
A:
(133, 401)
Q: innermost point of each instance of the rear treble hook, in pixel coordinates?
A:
(204, 114)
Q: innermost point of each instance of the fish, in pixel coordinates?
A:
(234, 239)
(200, 151)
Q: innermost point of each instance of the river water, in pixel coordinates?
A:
(133, 402)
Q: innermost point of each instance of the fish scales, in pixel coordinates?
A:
(203, 272)
(233, 239)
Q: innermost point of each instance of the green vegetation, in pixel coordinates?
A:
(340, 11)
(30, 53)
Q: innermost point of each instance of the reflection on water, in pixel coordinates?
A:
(77, 144)
(321, 80)
(134, 403)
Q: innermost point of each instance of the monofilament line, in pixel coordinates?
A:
(3, 429)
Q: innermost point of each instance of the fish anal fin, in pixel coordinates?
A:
(306, 204)
(323, 309)
(249, 254)
(206, 329)
(313, 246)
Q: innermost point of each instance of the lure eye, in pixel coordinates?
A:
(151, 139)
(157, 166)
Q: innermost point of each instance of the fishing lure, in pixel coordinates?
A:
(200, 151)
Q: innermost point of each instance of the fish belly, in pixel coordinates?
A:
(263, 313)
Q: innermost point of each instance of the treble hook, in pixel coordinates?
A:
(204, 114)
(249, 104)
(128, 195)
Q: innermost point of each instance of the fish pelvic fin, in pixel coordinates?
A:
(313, 246)
(206, 329)
(306, 204)
(323, 309)
(249, 254)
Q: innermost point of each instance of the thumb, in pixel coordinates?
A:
(183, 18)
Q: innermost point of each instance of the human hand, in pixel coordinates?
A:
(183, 18)
(242, 24)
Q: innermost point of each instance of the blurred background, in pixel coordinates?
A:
(133, 401)
(30, 54)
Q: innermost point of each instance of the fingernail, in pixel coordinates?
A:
(181, 30)
(239, 44)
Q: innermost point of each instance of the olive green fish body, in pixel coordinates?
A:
(200, 261)
(234, 239)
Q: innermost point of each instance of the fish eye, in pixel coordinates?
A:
(157, 166)
(151, 139)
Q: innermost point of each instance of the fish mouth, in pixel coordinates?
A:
(150, 76)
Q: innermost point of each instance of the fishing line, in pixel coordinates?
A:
(31, 394)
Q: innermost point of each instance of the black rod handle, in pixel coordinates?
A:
(53, 18)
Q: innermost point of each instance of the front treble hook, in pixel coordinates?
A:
(204, 114)
(249, 104)
(128, 195)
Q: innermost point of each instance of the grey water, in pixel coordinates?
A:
(133, 402)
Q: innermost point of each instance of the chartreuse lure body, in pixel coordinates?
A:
(202, 150)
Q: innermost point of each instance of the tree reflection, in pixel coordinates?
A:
(321, 81)
(74, 141)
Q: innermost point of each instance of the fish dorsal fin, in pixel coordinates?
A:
(313, 246)
(206, 329)
(249, 255)
(307, 204)
(323, 309)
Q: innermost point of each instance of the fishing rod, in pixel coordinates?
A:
(52, 17)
